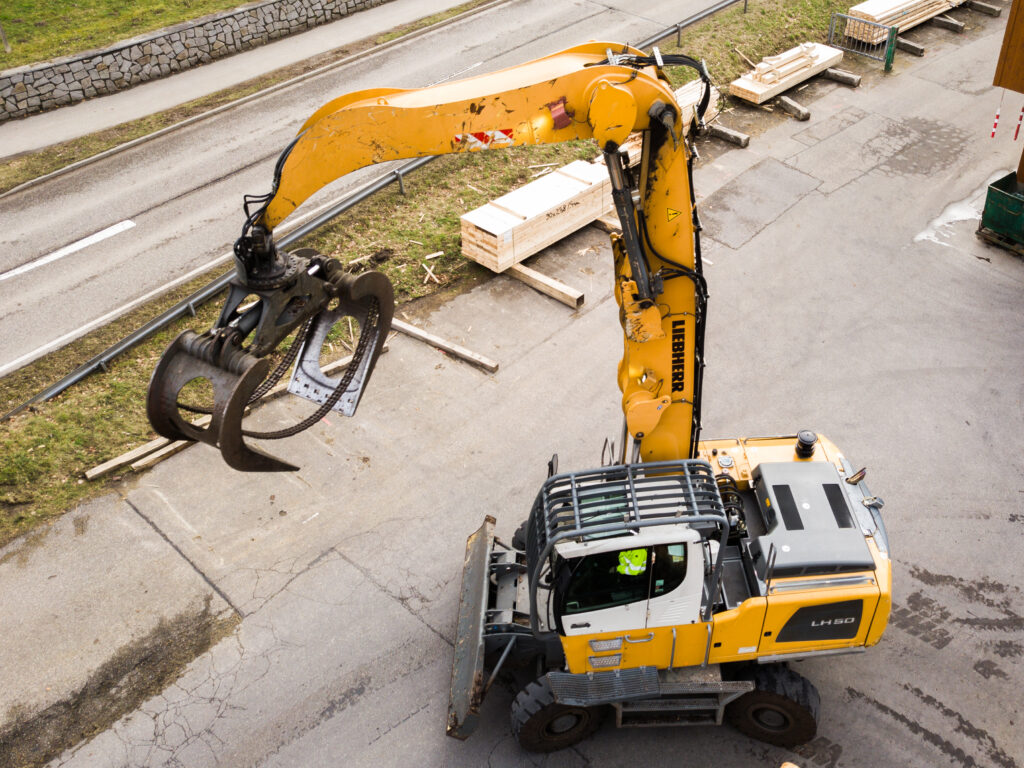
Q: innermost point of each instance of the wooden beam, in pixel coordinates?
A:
(445, 346)
(155, 458)
(795, 108)
(947, 23)
(738, 138)
(909, 46)
(126, 458)
(547, 285)
(987, 8)
(842, 76)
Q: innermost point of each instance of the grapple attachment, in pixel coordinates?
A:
(313, 297)
(234, 374)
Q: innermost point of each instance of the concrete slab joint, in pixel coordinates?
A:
(169, 50)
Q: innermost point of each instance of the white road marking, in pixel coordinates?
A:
(67, 250)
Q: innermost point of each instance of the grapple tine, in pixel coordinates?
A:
(357, 296)
(234, 375)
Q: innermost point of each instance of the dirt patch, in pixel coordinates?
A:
(133, 674)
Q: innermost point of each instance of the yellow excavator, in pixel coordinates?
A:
(672, 584)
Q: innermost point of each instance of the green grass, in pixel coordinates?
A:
(18, 170)
(38, 30)
(46, 451)
(767, 28)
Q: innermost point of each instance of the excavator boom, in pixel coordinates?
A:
(600, 91)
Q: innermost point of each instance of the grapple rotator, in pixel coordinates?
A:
(299, 291)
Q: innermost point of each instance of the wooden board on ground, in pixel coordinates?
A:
(777, 74)
(529, 219)
(547, 285)
(445, 346)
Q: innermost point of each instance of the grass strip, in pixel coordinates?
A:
(39, 31)
(47, 450)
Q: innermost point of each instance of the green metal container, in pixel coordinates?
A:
(1004, 209)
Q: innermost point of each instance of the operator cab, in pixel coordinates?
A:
(652, 578)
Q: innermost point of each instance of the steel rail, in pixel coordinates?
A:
(187, 306)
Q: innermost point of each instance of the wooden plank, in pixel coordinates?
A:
(757, 92)
(125, 458)
(547, 285)
(444, 345)
(154, 458)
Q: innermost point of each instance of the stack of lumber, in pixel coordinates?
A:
(776, 74)
(525, 221)
(903, 14)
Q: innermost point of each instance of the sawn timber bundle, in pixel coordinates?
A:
(777, 74)
(902, 14)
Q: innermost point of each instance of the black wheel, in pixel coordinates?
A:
(519, 537)
(540, 724)
(782, 709)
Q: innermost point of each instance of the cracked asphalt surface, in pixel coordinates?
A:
(840, 301)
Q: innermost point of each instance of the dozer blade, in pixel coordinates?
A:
(234, 374)
(467, 689)
(355, 299)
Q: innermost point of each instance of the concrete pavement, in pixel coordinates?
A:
(46, 128)
(844, 297)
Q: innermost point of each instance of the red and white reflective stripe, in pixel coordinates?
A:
(995, 124)
(1020, 117)
(485, 139)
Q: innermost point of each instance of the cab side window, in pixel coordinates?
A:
(627, 576)
(608, 579)
(669, 568)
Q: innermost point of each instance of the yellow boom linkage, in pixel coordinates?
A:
(580, 93)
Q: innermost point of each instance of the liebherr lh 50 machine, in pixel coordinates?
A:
(670, 585)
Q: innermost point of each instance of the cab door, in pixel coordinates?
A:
(606, 592)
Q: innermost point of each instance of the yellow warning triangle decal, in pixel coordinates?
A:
(672, 213)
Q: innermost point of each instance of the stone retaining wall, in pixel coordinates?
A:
(39, 87)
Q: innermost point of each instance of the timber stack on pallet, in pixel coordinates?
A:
(902, 14)
(776, 74)
(526, 220)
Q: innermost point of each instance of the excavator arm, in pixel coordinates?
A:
(585, 92)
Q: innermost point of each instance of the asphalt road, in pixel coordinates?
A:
(847, 295)
(175, 203)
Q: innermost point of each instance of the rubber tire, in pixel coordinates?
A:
(781, 710)
(540, 724)
(519, 537)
